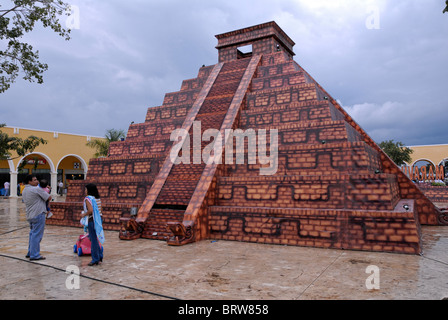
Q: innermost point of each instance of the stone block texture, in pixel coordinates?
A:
(333, 188)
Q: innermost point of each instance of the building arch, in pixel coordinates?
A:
(443, 162)
(423, 159)
(83, 162)
(15, 171)
(43, 155)
(70, 167)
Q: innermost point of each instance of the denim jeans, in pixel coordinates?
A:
(97, 255)
(37, 226)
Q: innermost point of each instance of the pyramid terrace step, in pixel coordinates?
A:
(176, 112)
(314, 110)
(115, 193)
(153, 128)
(180, 97)
(69, 212)
(157, 144)
(276, 81)
(192, 84)
(313, 132)
(321, 146)
(308, 212)
(309, 132)
(329, 177)
(292, 106)
(119, 178)
(325, 228)
(134, 157)
(126, 170)
(287, 89)
(167, 113)
(282, 68)
(199, 81)
(303, 125)
(315, 159)
(339, 191)
(284, 95)
(152, 135)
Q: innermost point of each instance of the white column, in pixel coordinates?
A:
(13, 185)
(54, 184)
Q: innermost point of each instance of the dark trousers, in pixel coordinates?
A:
(97, 255)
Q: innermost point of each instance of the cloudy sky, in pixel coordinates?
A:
(385, 61)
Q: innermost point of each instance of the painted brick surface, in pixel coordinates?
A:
(333, 188)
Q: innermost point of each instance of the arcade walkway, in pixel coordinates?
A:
(149, 269)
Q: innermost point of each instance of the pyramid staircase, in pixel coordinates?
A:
(332, 186)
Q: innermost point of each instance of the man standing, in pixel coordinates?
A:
(36, 209)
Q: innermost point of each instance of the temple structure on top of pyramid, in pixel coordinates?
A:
(332, 186)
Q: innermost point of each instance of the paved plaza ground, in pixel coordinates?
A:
(212, 270)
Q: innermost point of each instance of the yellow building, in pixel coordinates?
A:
(436, 154)
(428, 163)
(65, 157)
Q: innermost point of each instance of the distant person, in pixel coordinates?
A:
(44, 185)
(22, 186)
(35, 200)
(6, 185)
(61, 188)
(92, 209)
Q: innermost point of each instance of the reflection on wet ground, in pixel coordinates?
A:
(148, 269)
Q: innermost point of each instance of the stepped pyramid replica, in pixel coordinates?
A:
(328, 184)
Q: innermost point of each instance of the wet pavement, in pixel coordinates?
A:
(212, 270)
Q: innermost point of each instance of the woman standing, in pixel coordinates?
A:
(92, 209)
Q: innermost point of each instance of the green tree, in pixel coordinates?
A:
(102, 146)
(397, 151)
(17, 20)
(20, 146)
